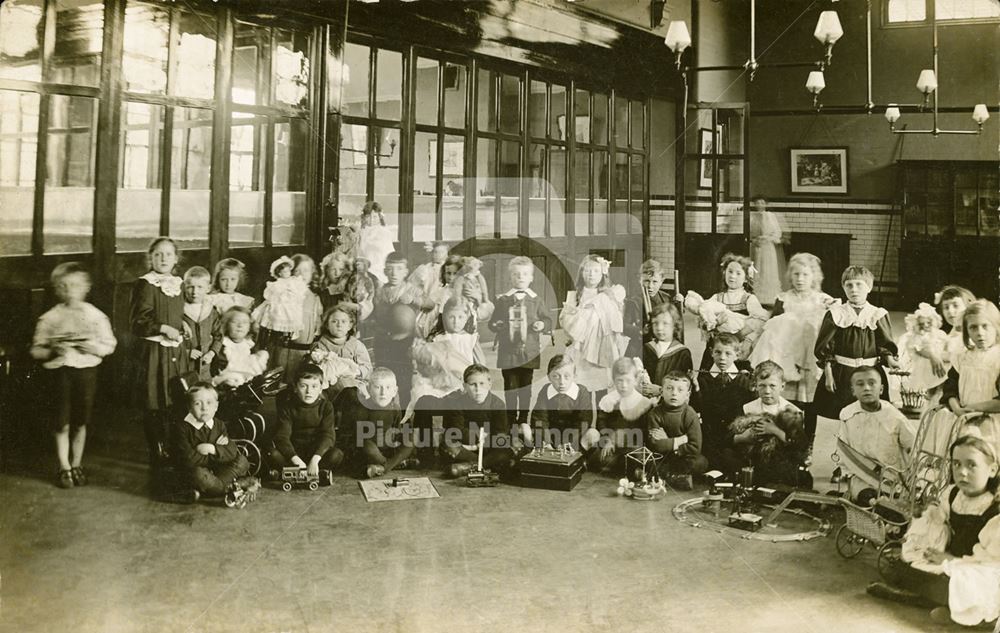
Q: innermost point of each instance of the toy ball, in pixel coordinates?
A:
(620, 491)
(623, 482)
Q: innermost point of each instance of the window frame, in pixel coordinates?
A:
(929, 9)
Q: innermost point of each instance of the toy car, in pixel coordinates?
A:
(294, 476)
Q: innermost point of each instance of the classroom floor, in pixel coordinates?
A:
(106, 558)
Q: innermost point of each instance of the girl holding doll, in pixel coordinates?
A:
(157, 317)
(338, 352)
(288, 349)
(459, 277)
(593, 319)
(237, 360)
(923, 349)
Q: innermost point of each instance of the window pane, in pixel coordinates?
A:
(427, 91)
(454, 95)
(966, 9)
(291, 68)
(509, 180)
(485, 103)
(353, 163)
(353, 77)
(557, 191)
(288, 206)
(425, 187)
(581, 184)
(621, 122)
(453, 189)
(247, 179)
(557, 122)
(638, 121)
(537, 190)
(510, 104)
(581, 110)
(140, 188)
(486, 190)
(195, 66)
(602, 178)
(69, 178)
(600, 119)
(389, 85)
(387, 175)
(536, 109)
(249, 59)
(18, 150)
(21, 27)
(621, 192)
(144, 62)
(79, 39)
(190, 176)
(638, 192)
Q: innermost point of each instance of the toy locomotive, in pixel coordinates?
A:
(479, 478)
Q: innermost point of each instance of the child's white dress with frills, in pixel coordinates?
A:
(596, 334)
(375, 244)
(242, 362)
(282, 307)
(440, 364)
(911, 359)
(789, 340)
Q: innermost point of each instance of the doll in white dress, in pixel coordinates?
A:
(593, 318)
(922, 344)
(281, 310)
(375, 239)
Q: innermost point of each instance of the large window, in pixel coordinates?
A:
(50, 62)
(918, 11)
(498, 155)
(368, 93)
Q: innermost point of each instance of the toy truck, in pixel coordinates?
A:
(292, 476)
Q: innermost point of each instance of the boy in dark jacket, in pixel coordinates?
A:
(306, 425)
(519, 319)
(722, 391)
(207, 459)
(381, 443)
(467, 412)
(674, 430)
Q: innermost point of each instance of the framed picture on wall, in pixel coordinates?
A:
(452, 163)
(819, 170)
(706, 145)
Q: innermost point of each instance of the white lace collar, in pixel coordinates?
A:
(197, 424)
(631, 406)
(246, 344)
(573, 392)
(170, 285)
(844, 315)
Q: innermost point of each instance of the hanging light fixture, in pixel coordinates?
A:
(980, 114)
(678, 39)
(828, 31)
(927, 83)
(892, 115)
(815, 84)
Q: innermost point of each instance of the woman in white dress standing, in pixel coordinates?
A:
(767, 236)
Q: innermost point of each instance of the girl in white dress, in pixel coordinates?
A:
(593, 319)
(230, 276)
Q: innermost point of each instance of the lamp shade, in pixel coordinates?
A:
(815, 82)
(927, 82)
(980, 113)
(828, 29)
(892, 113)
(678, 37)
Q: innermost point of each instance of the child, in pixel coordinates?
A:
(396, 289)
(923, 350)
(620, 421)
(427, 276)
(952, 302)
(334, 273)
(950, 552)
(721, 393)
(306, 425)
(971, 387)
(674, 430)
(157, 317)
(789, 336)
(376, 420)
(766, 238)
(852, 334)
(737, 277)
(288, 351)
(519, 320)
(769, 435)
(593, 319)
(281, 312)
(375, 238)
(208, 460)
(563, 410)
(230, 276)
(72, 338)
(652, 275)
(460, 277)
(663, 353)
(237, 362)
(201, 320)
(469, 410)
(360, 294)
(875, 429)
(393, 349)
(338, 352)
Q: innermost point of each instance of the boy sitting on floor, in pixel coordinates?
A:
(306, 425)
(375, 420)
(210, 463)
(466, 412)
(674, 430)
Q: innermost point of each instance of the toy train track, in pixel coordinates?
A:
(686, 513)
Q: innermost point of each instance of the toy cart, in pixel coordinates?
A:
(882, 526)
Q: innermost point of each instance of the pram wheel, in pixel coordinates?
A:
(849, 544)
(251, 452)
(887, 564)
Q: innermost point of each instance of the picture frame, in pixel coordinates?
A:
(706, 145)
(818, 170)
(452, 163)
